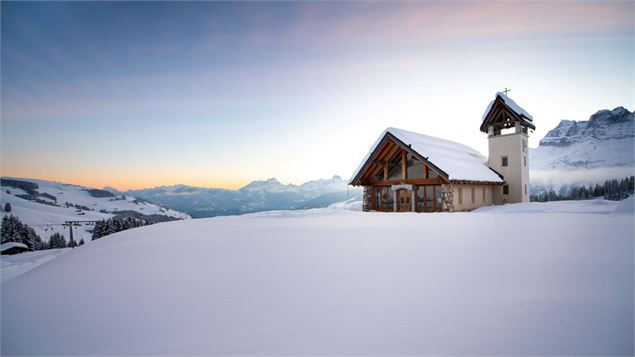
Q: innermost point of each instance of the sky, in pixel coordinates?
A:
(217, 94)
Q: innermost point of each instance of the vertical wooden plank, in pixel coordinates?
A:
(385, 170)
(425, 171)
(425, 203)
(414, 199)
(373, 198)
(404, 163)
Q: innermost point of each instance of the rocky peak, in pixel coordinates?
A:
(603, 125)
(269, 185)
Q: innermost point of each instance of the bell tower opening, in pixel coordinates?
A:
(507, 126)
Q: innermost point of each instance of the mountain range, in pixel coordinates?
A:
(574, 152)
(257, 196)
(585, 152)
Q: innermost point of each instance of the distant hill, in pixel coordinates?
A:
(585, 152)
(256, 196)
(46, 205)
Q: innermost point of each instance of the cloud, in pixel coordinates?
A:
(359, 24)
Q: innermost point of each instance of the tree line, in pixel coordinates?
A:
(13, 230)
(614, 190)
(117, 224)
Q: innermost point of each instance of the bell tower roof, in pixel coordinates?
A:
(503, 113)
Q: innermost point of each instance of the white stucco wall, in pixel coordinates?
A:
(516, 173)
(466, 203)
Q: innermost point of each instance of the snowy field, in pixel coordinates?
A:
(12, 266)
(529, 279)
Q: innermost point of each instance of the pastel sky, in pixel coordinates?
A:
(216, 94)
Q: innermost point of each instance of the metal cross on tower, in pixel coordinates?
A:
(506, 90)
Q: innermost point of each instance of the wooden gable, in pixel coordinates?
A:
(501, 116)
(389, 152)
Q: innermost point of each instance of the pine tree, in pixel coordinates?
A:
(114, 225)
(81, 241)
(26, 237)
(99, 230)
(7, 207)
(5, 229)
(11, 229)
(57, 241)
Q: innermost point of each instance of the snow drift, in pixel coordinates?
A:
(337, 281)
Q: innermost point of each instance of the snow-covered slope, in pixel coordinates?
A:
(48, 206)
(586, 152)
(12, 266)
(334, 281)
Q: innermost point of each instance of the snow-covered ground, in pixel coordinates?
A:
(531, 279)
(12, 266)
(47, 219)
(597, 205)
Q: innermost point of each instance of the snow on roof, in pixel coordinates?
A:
(511, 104)
(9, 245)
(459, 161)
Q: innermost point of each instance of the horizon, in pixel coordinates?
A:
(217, 95)
(177, 184)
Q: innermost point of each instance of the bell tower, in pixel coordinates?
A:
(507, 127)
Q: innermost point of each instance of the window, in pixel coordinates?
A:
(472, 195)
(525, 189)
(525, 160)
(432, 174)
(420, 199)
(429, 199)
(460, 195)
(394, 166)
(483, 194)
(438, 194)
(505, 189)
(383, 199)
(394, 171)
(504, 161)
(414, 167)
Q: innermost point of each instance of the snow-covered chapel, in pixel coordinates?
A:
(411, 172)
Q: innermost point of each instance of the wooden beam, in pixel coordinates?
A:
(404, 164)
(476, 182)
(425, 203)
(385, 170)
(374, 168)
(392, 151)
(372, 198)
(434, 200)
(388, 146)
(418, 181)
